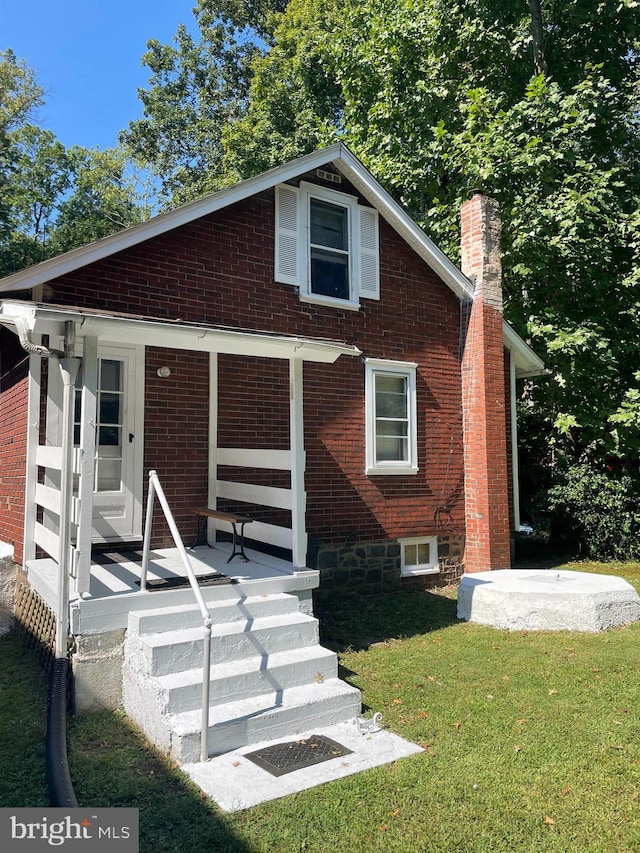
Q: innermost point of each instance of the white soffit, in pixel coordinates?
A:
(526, 361)
(48, 320)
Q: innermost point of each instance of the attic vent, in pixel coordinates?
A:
(329, 176)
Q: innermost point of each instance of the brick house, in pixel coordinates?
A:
(293, 350)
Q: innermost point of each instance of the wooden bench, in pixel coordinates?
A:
(233, 520)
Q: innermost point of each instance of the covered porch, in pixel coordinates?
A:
(101, 413)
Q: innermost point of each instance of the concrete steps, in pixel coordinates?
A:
(269, 677)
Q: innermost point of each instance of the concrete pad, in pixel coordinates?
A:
(236, 783)
(547, 600)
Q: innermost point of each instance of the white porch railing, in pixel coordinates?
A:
(293, 538)
(48, 500)
(156, 489)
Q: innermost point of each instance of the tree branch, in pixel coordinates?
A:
(537, 33)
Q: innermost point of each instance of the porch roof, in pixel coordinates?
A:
(46, 319)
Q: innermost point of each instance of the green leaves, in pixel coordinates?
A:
(53, 198)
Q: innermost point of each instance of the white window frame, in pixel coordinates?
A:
(407, 369)
(293, 244)
(430, 568)
(350, 204)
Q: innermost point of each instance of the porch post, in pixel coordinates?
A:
(87, 462)
(298, 495)
(212, 494)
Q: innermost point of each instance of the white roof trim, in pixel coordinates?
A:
(337, 154)
(526, 361)
(346, 162)
(50, 320)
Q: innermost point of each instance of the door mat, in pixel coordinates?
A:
(106, 558)
(287, 757)
(178, 580)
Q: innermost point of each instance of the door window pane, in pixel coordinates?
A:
(110, 408)
(108, 475)
(109, 435)
(110, 375)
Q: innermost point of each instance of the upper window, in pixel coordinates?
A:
(390, 401)
(326, 244)
(329, 249)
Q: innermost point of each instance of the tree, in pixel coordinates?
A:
(40, 173)
(536, 102)
(52, 199)
(196, 89)
(103, 199)
(20, 95)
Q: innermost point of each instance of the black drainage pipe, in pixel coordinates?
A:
(61, 793)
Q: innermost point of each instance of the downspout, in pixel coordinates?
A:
(26, 343)
(69, 366)
(515, 472)
(61, 793)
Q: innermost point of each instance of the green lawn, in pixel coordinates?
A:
(532, 741)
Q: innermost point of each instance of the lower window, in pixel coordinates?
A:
(419, 556)
(390, 402)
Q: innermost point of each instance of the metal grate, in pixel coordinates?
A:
(178, 580)
(287, 757)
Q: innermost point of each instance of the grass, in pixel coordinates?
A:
(530, 739)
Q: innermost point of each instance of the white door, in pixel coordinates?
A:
(117, 482)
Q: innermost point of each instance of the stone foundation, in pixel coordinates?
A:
(374, 567)
(97, 671)
(7, 588)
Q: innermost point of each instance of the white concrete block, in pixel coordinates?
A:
(178, 617)
(171, 651)
(97, 672)
(269, 678)
(243, 679)
(265, 718)
(236, 783)
(551, 600)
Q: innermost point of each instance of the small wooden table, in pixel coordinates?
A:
(233, 520)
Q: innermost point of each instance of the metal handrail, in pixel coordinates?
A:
(155, 488)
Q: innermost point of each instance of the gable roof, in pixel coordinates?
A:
(338, 155)
(344, 161)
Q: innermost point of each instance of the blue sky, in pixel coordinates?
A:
(87, 54)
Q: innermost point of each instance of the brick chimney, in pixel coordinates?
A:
(483, 391)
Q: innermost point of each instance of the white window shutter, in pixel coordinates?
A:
(287, 236)
(369, 256)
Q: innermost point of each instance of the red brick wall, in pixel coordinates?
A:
(176, 436)
(484, 394)
(220, 270)
(13, 440)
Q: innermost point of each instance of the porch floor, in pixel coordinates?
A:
(115, 582)
(118, 573)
